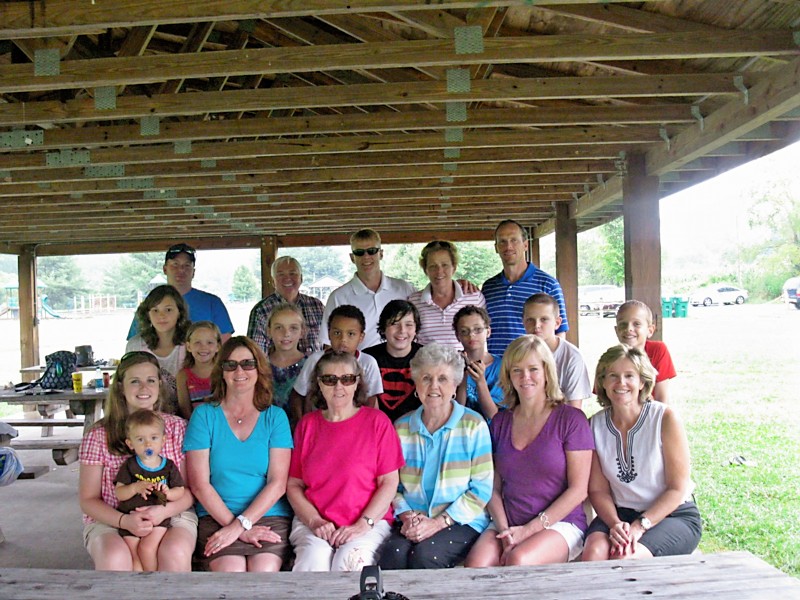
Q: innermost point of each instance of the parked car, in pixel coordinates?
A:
(721, 293)
(790, 289)
(603, 300)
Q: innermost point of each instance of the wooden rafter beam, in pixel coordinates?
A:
(53, 17)
(495, 90)
(357, 145)
(529, 50)
(544, 116)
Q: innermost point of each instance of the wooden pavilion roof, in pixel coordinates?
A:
(128, 121)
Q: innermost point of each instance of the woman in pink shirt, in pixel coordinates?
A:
(343, 474)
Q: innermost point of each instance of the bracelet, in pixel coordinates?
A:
(119, 523)
(544, 520)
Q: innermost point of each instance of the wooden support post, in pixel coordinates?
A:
(533, 247)
(269, 252)
(28, 319)
(567, 263)
(642, 237)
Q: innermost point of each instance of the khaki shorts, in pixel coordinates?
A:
(186, 520)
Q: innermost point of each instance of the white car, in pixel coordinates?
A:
(722, 293)
(603, 300)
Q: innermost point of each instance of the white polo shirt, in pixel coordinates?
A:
(368, 302)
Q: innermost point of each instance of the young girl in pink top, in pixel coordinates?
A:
(203, 341)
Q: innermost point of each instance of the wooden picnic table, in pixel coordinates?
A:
(737, 575)
(88, 403)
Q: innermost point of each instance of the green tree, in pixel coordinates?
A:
(478, 262)
(318, 262)
(245, 286)
(404, 264)
(612, 255)
(132, 274)
(62, 280)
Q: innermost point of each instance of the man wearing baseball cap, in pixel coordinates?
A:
(179, 269)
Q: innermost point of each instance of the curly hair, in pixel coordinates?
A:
(262, 396)
(153, 299)
(647, 372)
(330, 357)
(436, 355)
(515, 354)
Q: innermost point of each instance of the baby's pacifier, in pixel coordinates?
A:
(149, 452)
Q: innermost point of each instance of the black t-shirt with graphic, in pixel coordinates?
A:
(398, 396)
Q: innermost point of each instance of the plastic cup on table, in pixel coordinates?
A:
(77, 382)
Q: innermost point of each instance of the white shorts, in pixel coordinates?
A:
(571, 534)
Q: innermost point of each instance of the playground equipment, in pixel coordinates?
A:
(49, 309)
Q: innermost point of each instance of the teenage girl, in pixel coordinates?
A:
(203, 341)
(163, 320)
(286, 327)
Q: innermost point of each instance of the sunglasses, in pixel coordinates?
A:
(362, 251)
(178, 248)
(332, 380)
(248, 364)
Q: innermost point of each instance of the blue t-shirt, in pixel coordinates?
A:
(492, 374)
(202, 307)
(238, 468)
(505, 300)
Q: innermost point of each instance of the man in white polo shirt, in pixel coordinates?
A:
(369, 289)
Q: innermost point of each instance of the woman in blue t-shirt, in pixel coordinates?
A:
(238, 448)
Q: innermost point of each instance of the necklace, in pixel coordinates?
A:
(239, 421)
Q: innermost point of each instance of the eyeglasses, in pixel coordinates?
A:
(247, 364)
(362, 251)
(332, 380)
(468, 332)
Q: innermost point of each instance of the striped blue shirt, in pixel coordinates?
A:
(504, 301)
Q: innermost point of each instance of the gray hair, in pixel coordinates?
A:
(285, 259)
(435, 355)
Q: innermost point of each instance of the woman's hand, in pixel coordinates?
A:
(137, 524)
(155, 513)
(420, 528)
(322, 528)
(258, 534)
(223, 538)
(511, 537)
(619, 536)
(345, 534)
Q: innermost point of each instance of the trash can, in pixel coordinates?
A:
(666, 308)
(681, 308)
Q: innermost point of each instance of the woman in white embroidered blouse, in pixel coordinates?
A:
(640, 483)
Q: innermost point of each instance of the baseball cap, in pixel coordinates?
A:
(177, 249)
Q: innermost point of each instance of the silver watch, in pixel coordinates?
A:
(370, 521)
(646, 524)
(246, 523)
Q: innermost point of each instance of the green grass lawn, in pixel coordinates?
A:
(737, 391)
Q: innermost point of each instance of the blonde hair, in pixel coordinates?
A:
(188, 361)
(647, 372)
(436, 246)
(636, 304)
(515, 354)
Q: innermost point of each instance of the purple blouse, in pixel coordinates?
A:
(534, 477)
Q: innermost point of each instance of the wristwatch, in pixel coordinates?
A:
(646, 524)
(370, 522)
(447, 520)
(246, 523)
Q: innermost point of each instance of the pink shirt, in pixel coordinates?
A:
(340, 462)
(437, 323)
(94, 451)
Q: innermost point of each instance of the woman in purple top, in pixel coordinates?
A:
(542, 458)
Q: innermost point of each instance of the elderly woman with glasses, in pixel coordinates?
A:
(343, 474)
(443, 297)
(238, 446)
(447, 479)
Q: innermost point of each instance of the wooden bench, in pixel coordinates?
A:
(65, 450)
(46, 424)
(737, 575)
